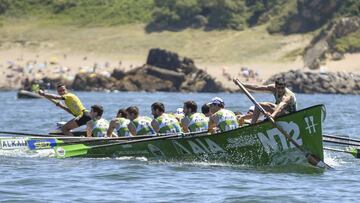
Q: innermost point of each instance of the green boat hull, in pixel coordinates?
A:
(259, 144)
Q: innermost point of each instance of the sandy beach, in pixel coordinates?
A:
(19, 63)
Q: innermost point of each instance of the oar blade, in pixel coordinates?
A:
(353, 151)
(71, 150)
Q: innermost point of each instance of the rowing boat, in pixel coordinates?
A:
(259, 144)
(24, 94)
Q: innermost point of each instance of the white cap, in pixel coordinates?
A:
(251, 108)
(179, 111)
(216, 100)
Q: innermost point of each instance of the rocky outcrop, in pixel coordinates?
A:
(311, 15)
(325, 42)
(164, 71)
(320, 82)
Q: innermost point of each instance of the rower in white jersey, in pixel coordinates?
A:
(164, 123)
(120, 124)
(193, 121)
(139, 125)
(221, 118)
(97, 126)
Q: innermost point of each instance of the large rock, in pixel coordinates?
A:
(164, 71)
(320, 82)
(325, 42)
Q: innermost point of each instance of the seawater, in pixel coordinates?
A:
(38, 178)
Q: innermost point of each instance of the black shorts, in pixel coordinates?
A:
(83, 119)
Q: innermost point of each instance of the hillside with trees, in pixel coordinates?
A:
(284, 17)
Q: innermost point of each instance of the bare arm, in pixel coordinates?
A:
(184, 126)
(155, 125)
(286, 100)
(111, 128)
(50, 96)
(260, 88)
(132, 129)
(212, 125)
(53, 98)
(89, 129)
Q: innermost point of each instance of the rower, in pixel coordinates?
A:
(163, 122)
(120, 124)
(72, 105)
(285, 100)
(205, 109)
(221, 118)
(139, 125)
(179, 114)
(97, 126)
(193, 121)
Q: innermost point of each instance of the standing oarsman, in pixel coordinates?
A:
(97, 126)
(163, 122)
(221, 118)
(120, 124)
(193, 121)
(285, 100)
(139, 125)
(72, 105)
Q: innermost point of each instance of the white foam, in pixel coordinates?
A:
(27, 153)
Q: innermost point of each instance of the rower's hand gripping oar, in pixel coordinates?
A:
(312, 159)
(57, 103)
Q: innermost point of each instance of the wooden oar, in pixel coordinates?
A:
(341, 138)
(25, 134)
(312, 159)
(81, 149)
(353, 151)
(340, 142)
(57, 103)
(107, 139)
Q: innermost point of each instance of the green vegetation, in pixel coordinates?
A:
(174, 14)
(80, 12)
(349, 43)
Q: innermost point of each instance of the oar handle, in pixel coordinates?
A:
(57, 103)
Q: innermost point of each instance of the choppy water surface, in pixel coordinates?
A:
(34, 178)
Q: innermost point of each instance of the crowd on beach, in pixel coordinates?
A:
(214, 117)
(247, 74)
(15, 72)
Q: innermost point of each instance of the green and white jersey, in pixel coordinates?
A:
(168, 124)
(225, 120)
(143, 126)
(100, 127)
(122, 127)
(196, 122)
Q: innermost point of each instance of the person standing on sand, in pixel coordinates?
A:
(285, 100)
(73, 105)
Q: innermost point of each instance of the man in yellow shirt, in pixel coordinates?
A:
(72, 105)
